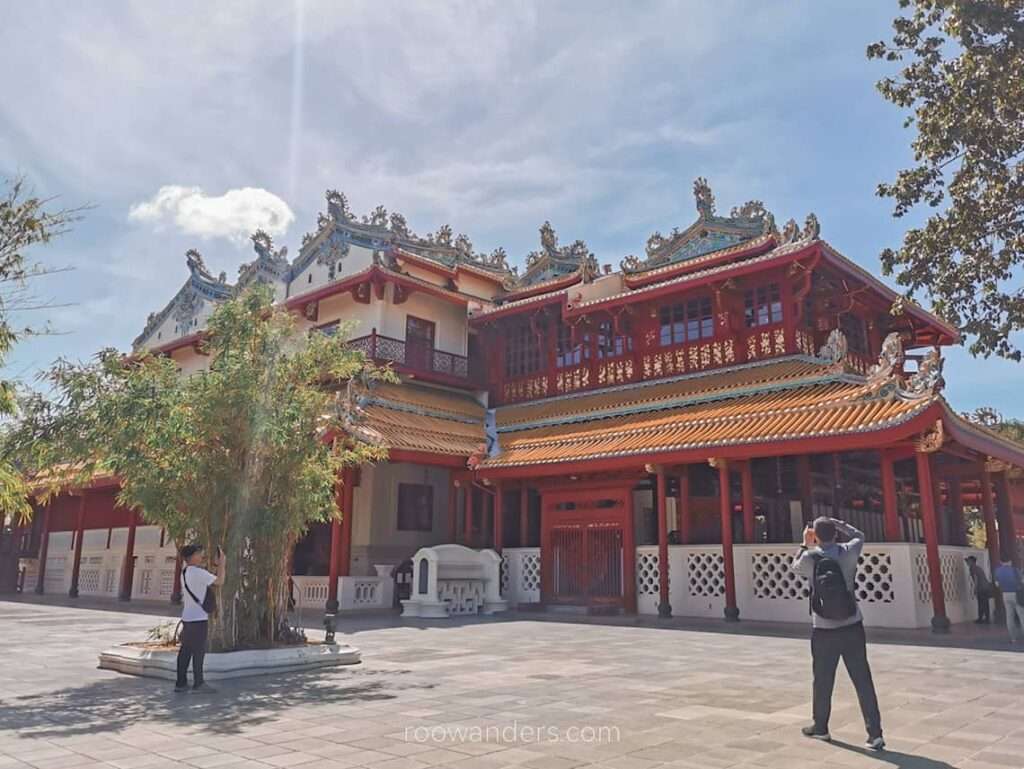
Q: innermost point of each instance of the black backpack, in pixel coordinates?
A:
(830, 597)
(209, 602)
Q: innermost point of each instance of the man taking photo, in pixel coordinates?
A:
(197, 604)
(837, 624)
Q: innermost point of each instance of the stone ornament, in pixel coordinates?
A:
(927, 380)
(890, 360)
(704, 197)
(932, 439)
(835, 348)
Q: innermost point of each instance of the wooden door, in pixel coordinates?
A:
(419, 343)
(587, 548)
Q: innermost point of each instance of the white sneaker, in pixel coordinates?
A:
(877, 743)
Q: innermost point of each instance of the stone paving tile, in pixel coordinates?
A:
(675, 697)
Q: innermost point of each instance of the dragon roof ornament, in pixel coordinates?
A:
(887, 378)
(381, 229)
(708, 234)
(553, 260)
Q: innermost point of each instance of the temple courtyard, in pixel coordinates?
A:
(532, 691)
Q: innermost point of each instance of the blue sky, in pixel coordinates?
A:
(205, 118)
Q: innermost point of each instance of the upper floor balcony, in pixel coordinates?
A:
(419, 359)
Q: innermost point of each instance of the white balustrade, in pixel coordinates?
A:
(520, 575)
(353, 592)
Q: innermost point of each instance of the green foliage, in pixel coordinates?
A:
(232, 456)
(24, 222)
(962, 82)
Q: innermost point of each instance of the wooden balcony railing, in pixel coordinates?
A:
(416, 358)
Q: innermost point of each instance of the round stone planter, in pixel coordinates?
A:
(162, 663)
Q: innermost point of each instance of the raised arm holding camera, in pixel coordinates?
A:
(198, 603)
(837, 624)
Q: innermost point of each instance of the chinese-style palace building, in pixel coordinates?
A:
(651, 439)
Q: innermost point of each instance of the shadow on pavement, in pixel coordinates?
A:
(894, 758)
(114, 705)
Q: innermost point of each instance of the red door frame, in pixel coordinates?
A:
(621, 515)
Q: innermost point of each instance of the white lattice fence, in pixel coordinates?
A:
(520, 575)
(774, 579)
(705, 574)
(648, 574)
(875, 578)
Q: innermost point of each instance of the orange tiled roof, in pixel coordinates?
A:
(793, 404)
(412, 417)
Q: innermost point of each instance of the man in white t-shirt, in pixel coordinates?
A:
(195, 581)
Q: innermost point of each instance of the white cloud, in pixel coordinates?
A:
(234, 215)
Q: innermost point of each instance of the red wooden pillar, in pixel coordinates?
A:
(469, 512)
(79, 535)
(958, 529)
(1007, 526)
(179, 564)
(989, 514)
(732, 612)
(890, 507)
(684, 516)
(664, 608)
(747, 483)
(334, 562)
(499, 523)
(524, 516)
(453, 508)
(347, 510)
(803, 472)
(628, 556)
(128, 572)
(940, 622)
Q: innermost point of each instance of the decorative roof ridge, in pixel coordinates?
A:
(695, 399)
(559, 281)
(801, 357)
(385, 230)
(672, 267)
(775, 253)
(201, 281)
(966, 424)
(546, 296)
(408, 408)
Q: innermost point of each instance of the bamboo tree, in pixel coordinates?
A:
(237, 455)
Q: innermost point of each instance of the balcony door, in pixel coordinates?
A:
(419, 343)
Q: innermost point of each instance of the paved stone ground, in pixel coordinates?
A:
(677, 696)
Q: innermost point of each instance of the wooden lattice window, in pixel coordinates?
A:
(415, 507)
(610, 344)
(522, 352)
(571, 350)
(688, 321)
(763, 305)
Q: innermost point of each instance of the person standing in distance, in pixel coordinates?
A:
(195, 615)
(837, 624)
(1010, 583)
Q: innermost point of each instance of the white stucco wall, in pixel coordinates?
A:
(314, 276)
(375, 534)
(451, 325)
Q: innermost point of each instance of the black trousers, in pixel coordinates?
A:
(827, 646)
(983, 607)
(193, 649)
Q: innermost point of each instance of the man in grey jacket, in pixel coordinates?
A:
(835, 638)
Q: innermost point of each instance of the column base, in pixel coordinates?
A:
(73, 593)
(940, 624)
(176, 599)
(331, 607)
(665, 610)
(732, 614)
(124, 596)
(39, 590)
